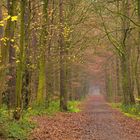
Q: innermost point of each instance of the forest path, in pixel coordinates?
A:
(97, 121)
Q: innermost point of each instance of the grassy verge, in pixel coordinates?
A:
(11, 129)
(132, 111)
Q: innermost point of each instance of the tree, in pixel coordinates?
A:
(20, 61)
(63, 89)
(42, 62)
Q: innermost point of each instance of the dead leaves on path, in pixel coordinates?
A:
(130, 125)
(98, 121)
(63, 126)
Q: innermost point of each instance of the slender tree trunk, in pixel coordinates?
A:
(20, 62)
(42, 61)
(27, 73)
(7, 55)
(63, 89)
(138, 53)
(12, 71)
(49, 56)
(1, 36)
(118, 77)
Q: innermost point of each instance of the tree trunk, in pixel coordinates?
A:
(1, 36)
(126, 81)
(12, 71)
(138, 53)
(125, 59)
(20, 62)
(42, 61)
(63, 88)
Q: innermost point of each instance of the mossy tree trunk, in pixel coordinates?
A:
(42, 60)
(20, 61)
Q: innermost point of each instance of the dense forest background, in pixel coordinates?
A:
(57, 50)
(41, 52)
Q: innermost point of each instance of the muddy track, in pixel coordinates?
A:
(97, 121)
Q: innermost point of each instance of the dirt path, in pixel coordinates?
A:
(96, 122)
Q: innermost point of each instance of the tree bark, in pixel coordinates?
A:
(20, 62)
(63, 88)
(125, 58)
(42, 60)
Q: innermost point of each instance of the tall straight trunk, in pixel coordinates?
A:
(1, 17)
(63, 88)
(49, 73)
(118, 77)
(118, 81)
(33, 53)
(106, 82)
(11, 83)
(125, 81)
(138, 53)
(1, 36)
(125, 59)
(42, 61)
(20, 61)
(27, 73)
(7, 52)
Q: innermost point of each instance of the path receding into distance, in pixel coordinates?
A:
(97, 121)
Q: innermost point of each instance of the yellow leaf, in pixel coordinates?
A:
(17, 61)
(1, 24)
(14, 18)
(8, 17)
(12, 40)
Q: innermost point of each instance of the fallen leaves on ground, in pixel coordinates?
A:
(97, 121)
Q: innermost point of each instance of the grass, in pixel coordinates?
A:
(73, 106)
(115, 105)
(37, 110)
(11, 129)
(132, 111)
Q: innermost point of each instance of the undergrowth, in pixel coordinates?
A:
(128, 110)
(73, 106)
(14, 130)
(131, 109)
(19, 130)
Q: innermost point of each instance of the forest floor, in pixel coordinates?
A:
(96, 121)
